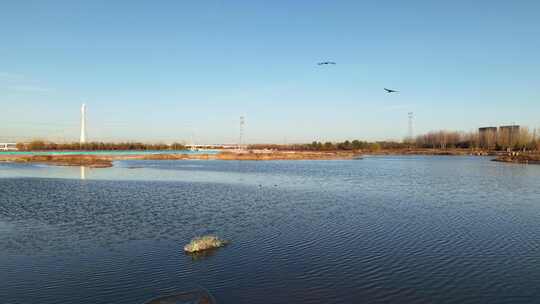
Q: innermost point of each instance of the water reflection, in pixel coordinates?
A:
(83, 172)
(330, 232)
(5, 227)
(202, 255)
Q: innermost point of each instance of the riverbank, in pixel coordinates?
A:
(256, 155)
(105, 161)
(287, 155)
(420, 151)
(519, 158)
(90, 161)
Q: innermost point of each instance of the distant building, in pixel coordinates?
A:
(508, 136)
(487, 137)
(83, 124)
(512, 129)
(8, 147)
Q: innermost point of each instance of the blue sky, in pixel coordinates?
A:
(172, 70)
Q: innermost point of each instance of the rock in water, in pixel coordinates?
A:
(190, 297)
(204, 243)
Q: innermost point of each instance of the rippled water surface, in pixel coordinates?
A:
(377, 230)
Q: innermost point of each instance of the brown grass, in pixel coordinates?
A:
(292, 155)
(204, 243)
(91, 161)
(520, 158)
(105, 161)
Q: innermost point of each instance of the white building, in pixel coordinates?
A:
(8, 147)
(83, 124)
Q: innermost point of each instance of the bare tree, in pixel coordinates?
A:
(524, 139)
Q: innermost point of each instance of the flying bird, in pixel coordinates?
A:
(390, 91)
(326, 62)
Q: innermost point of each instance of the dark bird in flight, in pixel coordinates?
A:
(390, 91)
(326, 62)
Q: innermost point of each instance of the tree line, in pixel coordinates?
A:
(347, 145)
(40, 145)
(522, 139)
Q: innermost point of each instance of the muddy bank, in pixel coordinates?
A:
(90, 161)
(105, 161)
(170, 156)
(416, 151)
(253, 155)
(291, 155)
(94, 161)
(519, 158)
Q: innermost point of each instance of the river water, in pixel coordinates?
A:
(378, 230)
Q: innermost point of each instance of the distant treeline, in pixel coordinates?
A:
(334, 146)
(39, 145)
(521, 139)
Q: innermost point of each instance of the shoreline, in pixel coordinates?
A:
(106, 160)
(519, 158)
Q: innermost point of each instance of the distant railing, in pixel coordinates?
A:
(8, 147)
(194, 147)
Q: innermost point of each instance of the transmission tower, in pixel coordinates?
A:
(410, 135)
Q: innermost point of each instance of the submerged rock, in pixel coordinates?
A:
(204, 243)
(190, 297)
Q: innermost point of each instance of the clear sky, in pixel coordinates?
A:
(172, 70)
